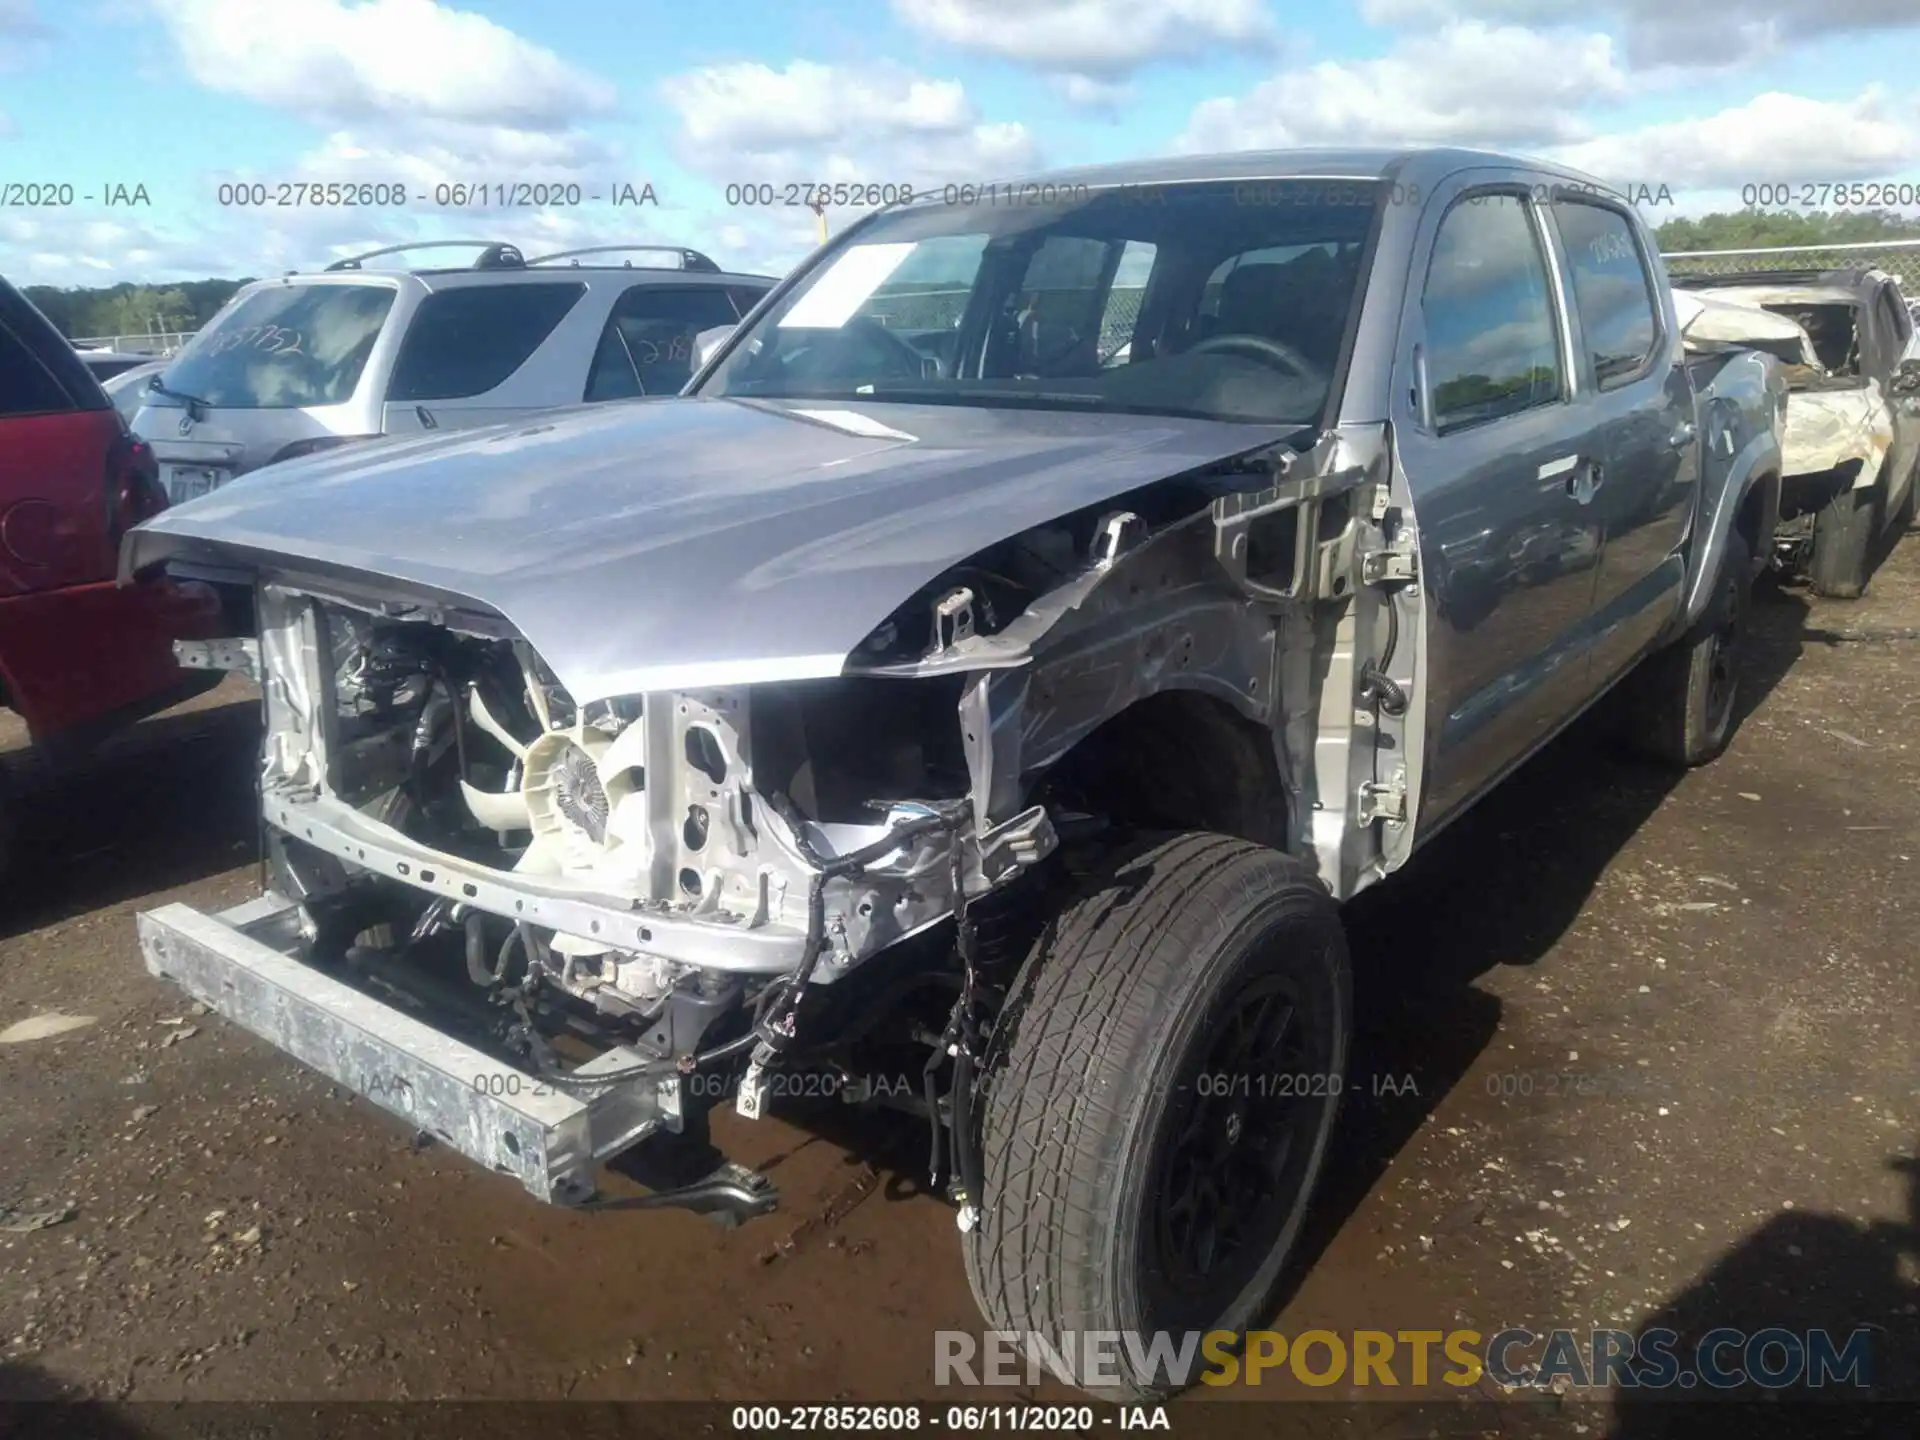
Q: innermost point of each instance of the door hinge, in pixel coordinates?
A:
(1384, 799)
(1392, 566)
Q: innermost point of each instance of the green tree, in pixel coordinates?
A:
(1756, 229)
(128, 309)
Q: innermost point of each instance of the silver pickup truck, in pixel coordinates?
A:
(979, 692)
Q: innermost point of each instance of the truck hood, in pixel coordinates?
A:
(673, 543)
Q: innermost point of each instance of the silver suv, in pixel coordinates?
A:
(308, 362)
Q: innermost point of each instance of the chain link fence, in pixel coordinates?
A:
(941, 310)
(1899, 258)
(159, 345)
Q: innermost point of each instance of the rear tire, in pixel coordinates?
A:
(1159, 1094)
(1685, 698)
(1843, 535)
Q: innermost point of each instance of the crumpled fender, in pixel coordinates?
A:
(1828, 428)
(1728, 409)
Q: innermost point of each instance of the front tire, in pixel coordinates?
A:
(1843, 534)
(1159, 1094)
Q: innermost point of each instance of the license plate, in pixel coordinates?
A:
(190, 482)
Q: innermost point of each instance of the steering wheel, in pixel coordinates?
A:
(1260, 347)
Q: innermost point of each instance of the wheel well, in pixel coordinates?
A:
(1178, 760)
(1750, 523)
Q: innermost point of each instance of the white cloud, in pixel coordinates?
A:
(811, 122)
(1100, 39)
(1091, 94)
(1774, 137)
(426, 153)
(1660, 33)
(1469, 83)
(391, 59)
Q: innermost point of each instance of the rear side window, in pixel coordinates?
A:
(1492, 344)
(26, 387)
(647, 347)
(464, 342)
(1611, 290)
(282, 348)
(745, 297)
(40, 373)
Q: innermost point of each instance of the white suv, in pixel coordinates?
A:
(307, 362)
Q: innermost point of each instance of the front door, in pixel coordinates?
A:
(1501, 460)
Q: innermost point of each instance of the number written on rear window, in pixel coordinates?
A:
(647, 347)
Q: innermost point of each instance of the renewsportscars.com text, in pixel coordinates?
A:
(1772, 1359)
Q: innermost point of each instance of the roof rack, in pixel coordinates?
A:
(493, 255)
(689, 259)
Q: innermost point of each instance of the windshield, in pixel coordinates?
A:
(282, 348)
(1218, 300)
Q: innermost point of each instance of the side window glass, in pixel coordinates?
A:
(464, 342)
(26, 388)
(929, 289)
(1611, 290)
(1895, 320)
(1059, 308)
(1122, 309)
(1492, 346)
(647, 346)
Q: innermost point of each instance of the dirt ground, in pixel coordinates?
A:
(1635, 1050)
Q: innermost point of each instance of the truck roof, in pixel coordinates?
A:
(1422, 164)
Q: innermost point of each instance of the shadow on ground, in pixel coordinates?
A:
(1801, 1276)
(1500, 886)
(165, 803)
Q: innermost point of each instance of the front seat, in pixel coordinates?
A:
(1291, 303)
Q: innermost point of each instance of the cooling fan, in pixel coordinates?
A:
(581, 795)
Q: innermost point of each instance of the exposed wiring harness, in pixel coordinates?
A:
(769, 1033)
(1376, 686)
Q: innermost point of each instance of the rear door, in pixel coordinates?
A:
(1499, 452)
(1629, 372)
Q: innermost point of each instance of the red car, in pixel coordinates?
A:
(79, 653)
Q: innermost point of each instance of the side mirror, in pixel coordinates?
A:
(1906, 379)
(707, 342)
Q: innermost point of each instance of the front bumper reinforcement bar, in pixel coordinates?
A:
(237, 962)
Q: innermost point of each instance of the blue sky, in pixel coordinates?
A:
(182, 96)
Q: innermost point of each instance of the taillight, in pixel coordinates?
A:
(134, 492)
(313, 445)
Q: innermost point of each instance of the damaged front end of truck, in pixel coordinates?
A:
(550, 912)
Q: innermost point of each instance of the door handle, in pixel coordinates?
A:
(1683, 437)
(1584, 481)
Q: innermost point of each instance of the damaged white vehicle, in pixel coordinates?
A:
(1852, 364)
(1033, 622)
